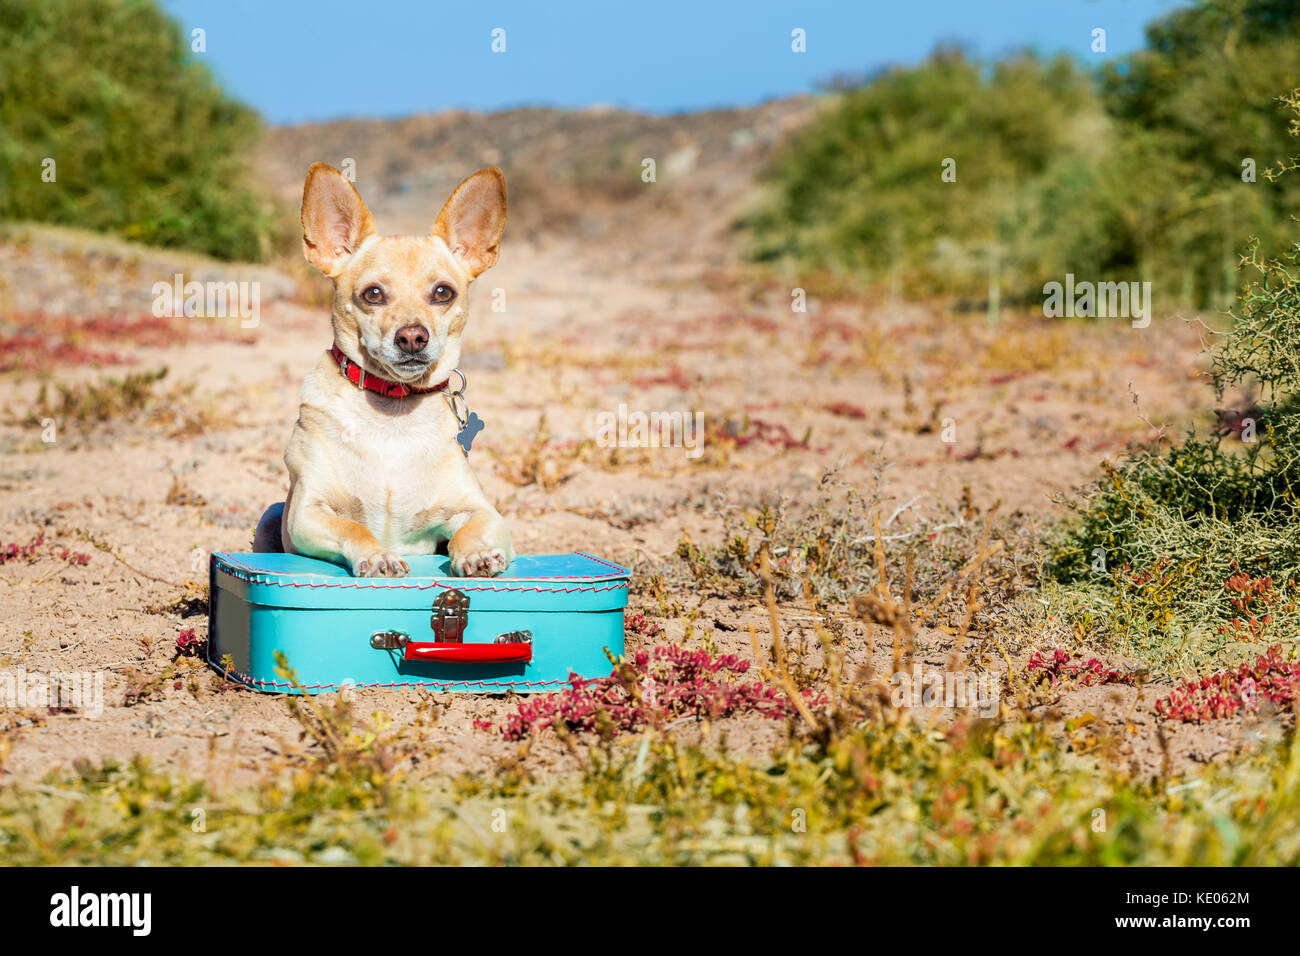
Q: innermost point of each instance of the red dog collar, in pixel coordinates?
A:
(359, 377)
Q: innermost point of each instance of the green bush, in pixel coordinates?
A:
(1132, 172)
(1204, 94)
(859, 192)
(1153, 549)
(145, 144)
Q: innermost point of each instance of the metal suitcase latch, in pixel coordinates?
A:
(450, 615)
(514, 637)
(389, 640)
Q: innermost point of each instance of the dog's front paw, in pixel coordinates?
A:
(381, 564)
(485, 563)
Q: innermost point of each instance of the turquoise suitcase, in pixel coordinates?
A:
(547, 616)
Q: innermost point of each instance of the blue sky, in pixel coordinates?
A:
(297, 61)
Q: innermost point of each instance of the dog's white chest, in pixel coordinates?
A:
(401, 470)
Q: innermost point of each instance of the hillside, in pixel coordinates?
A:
(572, 176)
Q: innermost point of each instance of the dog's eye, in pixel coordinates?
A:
(374, 295)
(443, 293)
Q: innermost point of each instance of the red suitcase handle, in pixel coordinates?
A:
(514, 647)
(453, 652)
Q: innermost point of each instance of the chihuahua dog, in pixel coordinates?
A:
(375, 469)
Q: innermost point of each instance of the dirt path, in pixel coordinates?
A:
(1034, 405)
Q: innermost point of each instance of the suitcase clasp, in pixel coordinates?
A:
(450, 615)
(389, 640)
(514, 637)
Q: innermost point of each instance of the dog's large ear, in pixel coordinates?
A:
(334, 219)
(472, 220)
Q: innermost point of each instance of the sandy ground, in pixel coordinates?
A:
(1035, 405)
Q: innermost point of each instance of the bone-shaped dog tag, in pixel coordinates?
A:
(473, 426)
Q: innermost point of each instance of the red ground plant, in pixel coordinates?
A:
(1233, 691)
(188, 644)
(756, 431)
(13, 551)
(1089, 673)
(28, 351)
(846, 410)
(641, 625)
(1254, 600)
(675, 375)
(666, 682)
(41, 341)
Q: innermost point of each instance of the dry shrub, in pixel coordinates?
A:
(538, 461)
(93, 403)
(86, 410)
(829, 545)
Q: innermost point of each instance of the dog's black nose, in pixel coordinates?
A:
(412, 338)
